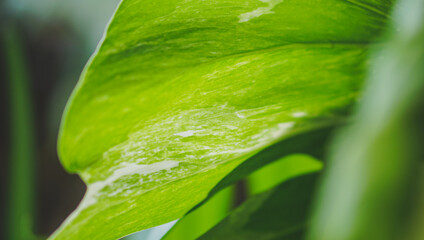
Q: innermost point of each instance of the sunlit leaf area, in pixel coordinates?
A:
(212, 119)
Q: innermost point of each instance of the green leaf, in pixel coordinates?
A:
(280, 213)
(372, 186)
(181, 92)
(196, 223)
(282, 170)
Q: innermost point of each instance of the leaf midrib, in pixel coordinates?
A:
(369, 8)
(292, 45)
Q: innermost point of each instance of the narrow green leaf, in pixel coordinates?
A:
(21, 172)
(181, 92)
(280, 213)
(282, 170)
(196, 223)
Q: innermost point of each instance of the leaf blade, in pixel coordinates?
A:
(123, 105)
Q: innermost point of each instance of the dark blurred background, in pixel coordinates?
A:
(44, 46)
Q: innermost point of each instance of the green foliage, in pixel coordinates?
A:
(280, 213)
(282, 170)
(312, 143)
(180, 93)
(196, 223)
(20, 195)
(263, 179)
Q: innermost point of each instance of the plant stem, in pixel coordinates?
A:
(22, 153)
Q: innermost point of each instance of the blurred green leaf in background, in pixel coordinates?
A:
(374, 180)
(43, 46)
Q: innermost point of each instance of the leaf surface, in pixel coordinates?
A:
(313, 143)
(181, 92)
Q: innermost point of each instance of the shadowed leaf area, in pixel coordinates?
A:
(280, 213)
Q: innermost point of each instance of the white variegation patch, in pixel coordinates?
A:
(259, 11)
